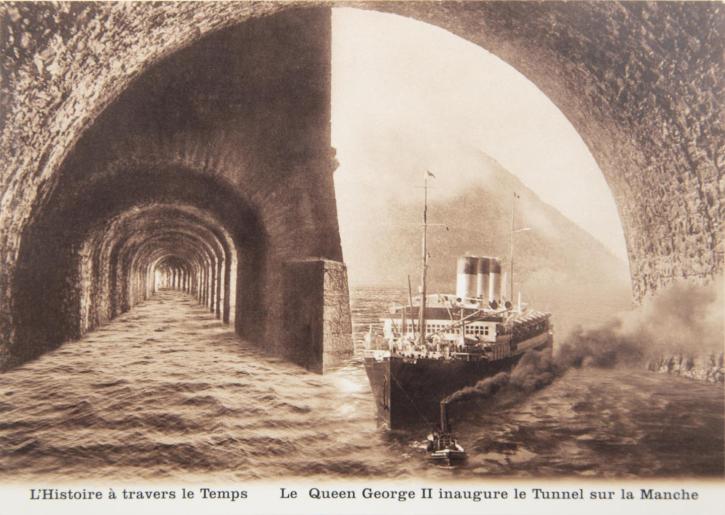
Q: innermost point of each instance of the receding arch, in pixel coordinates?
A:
(207, 166)
(140, 222)
(137, 202)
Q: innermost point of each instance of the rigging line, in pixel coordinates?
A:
(472, 315)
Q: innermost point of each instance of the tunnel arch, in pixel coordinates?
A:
(108, 259)
(171, 271)
(625, 75)
(137, 222)
(205, 167)
(534, 38)
(639, 81)
(195, 251)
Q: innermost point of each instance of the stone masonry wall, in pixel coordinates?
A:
(641, 82)
(235, 125)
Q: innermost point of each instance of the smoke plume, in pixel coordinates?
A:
(684, 320)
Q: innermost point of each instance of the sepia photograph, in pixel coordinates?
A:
(283, 257)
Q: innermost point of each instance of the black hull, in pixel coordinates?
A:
(409, 393)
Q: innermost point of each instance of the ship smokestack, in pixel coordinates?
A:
(494, 281)
(445, 426)
(482, 277)
(466, 276)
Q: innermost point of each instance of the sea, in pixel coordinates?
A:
(167, 392)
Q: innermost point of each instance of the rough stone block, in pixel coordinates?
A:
(316, 314)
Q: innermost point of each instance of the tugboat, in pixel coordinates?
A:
(442, 446)
(440, 343)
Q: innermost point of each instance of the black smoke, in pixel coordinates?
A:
(535, 370)
(684, 319)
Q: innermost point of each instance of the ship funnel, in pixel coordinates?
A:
(445, 426)
(494, 280)
(482, 277)
(466, 276)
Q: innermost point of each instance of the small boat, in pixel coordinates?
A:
(442, 445)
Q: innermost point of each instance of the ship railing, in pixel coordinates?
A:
(470, 356)
(376, 354)
(456, 323)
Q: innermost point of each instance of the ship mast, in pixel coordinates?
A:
(511, 241)
(513, 232)
(410, 304)
(424, 260)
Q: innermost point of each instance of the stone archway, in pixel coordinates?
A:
(216, 161)
(641, 82)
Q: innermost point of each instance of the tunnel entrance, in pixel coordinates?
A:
(210, 174)
(168, 222)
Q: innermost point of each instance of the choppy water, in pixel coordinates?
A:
(166, 392)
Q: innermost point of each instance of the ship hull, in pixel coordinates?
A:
(408, 392)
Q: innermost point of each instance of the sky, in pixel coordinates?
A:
(408, 96)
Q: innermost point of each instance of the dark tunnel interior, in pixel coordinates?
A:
(210, 174)
(116, 242)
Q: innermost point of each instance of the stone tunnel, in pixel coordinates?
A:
(211, 173)
(187, 145)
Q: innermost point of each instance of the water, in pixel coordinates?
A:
(167, 392)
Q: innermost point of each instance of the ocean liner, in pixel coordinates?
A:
(437, 344)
